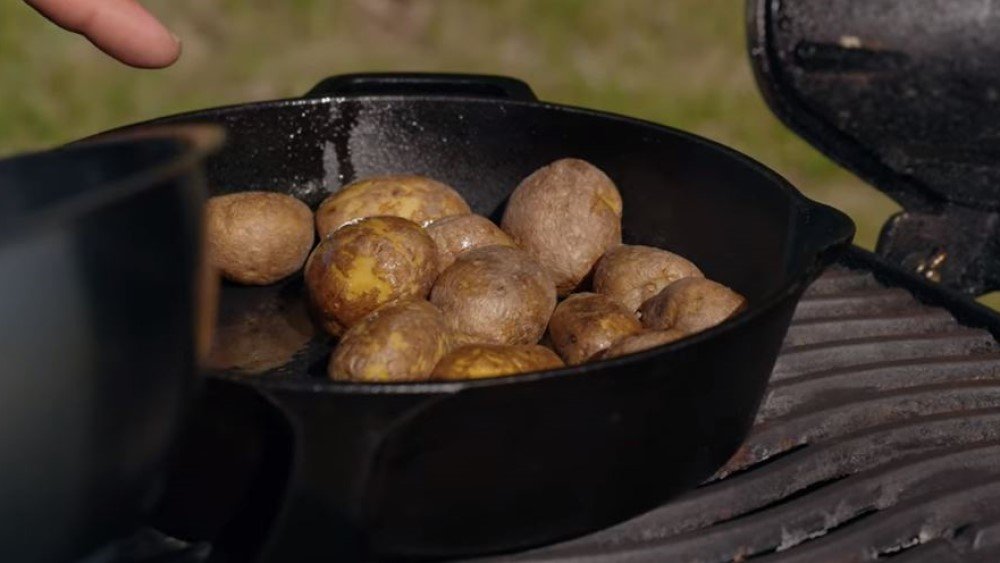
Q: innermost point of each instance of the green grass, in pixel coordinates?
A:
(678, 62)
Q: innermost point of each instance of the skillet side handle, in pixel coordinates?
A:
(825, 234)
(423, 84)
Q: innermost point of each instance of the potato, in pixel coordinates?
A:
(496, 294)
(366, 265)
(565, 215)
(631, 274)
(397, 343)
(586, 323)
(639, 342)
(261, 338)
(691, 305)
(460, 233)
(258, 238)
(416, 198)
(480, 361)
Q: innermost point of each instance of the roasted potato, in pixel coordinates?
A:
(497, 295)
(639, 342)
(566, 216)
(366, 265)
(691, 305)
(397, 343)
(587, 323)
(460, 233)
(416, 198)
(480, 361)
(258, 238)
(631, 274)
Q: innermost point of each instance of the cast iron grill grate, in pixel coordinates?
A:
(879, 438)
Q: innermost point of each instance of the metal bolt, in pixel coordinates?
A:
(930, 267)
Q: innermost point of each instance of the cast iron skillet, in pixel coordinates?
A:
(97, 244)
(449, 469)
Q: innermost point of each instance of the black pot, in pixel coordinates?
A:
(448, 469)
(99, 255)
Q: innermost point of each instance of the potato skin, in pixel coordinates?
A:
(497, 295)
(691, 305)
(631, 274)
(460, 233)
(639, 342)
(565, 215)
(587, 323)
(416, 198)
(480, 361)
(257, 238)
(366, 265)
(397, 343)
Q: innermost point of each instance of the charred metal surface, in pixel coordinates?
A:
(879, 436)
(904, 93)
(957, 248)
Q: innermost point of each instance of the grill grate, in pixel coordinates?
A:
(879, 437)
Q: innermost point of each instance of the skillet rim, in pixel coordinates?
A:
(801, 208)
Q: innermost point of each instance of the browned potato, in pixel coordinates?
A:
(496, 294)
(366, 265)
(261, 338)
(586, 323)
(480, 361)
(258, 238)
(639, 342)
(565, 215)
(397, 343)
(631, 274)
(691, 305)
(460, 233)
(416, 198)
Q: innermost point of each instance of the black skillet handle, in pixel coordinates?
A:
(424, 84)
(823, 234)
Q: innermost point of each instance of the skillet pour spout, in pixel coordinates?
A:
(433, 470)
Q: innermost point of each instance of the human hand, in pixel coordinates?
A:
(120, 28)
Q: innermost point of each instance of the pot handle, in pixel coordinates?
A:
(825, 233)
(424, 84)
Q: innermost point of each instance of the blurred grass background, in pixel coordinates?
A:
(678, 62)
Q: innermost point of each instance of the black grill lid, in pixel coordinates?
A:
(906, 94)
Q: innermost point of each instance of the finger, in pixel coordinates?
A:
(120, 28)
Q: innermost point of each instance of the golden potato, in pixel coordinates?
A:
(460, 233)
(565, 215)
(586, 323)
(258, 238)
(639, 342)
(416, 198)
(691, 305)
(631, 274)
(261, 338)
(366, 265)
(496, 294)
(480, 361)
(397, 343)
